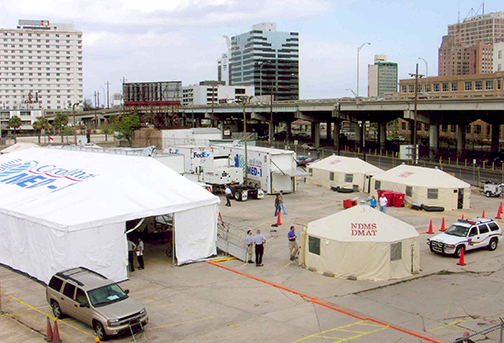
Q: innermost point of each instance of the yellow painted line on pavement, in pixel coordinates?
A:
(3, 314)
(448, 308)
(451, 324)
(359, 334)
(228, 337)
(45, 314)
(174, 324)
(224, 259)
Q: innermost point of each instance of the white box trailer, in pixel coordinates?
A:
(194, 156)
(272, 170)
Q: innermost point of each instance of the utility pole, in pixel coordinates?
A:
(417, 76)
(271, 127)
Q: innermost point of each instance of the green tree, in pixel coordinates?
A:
(60, 120)
(14, 122)
(126, 125)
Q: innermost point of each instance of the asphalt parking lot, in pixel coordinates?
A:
(231, 301)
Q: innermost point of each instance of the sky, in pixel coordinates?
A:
(165, 40)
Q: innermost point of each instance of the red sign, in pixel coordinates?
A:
(405, 174)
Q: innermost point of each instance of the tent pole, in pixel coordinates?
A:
(136, 227)
(173, 242)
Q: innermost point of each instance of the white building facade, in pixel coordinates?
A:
(40, 66)
(206, 94)
(498, 57)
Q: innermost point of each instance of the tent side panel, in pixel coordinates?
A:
(402, 267)
(40, 251)
(196, 233)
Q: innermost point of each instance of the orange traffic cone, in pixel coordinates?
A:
(462, 216)
(97, 339)
(483, 214)
(461, 261)
(442, 226)
(56, 336)
(431, 230)
(279, 222)
(49, 335)
(499, 211)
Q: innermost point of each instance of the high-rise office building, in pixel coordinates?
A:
(382, 76)
(468, 47)
(267, 59)
(40, 66)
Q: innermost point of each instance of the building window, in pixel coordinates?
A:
(444, 128)
(489, 85)
(314, 245)
(348, 177)
(396, 251)
(403, 89)
(478, 85)
(445, 87)
(409, 191)
(453, 128)
(468, 86)
(377, 184)
(454, 87)
(435, 87)
(499, 84)
(411, 88)
(468, 129)
(403, 126)
(477, 129)
(432, 193)
(428, 87)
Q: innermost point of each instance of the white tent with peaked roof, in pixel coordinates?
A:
(341, 171)
(62, 209)
(364, 243)
(428, 186)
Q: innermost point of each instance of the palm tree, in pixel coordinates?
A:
(41, 124)
(14, 122)
(59, 121)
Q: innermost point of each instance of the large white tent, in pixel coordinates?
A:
(364, 243)
(428, 186)
(61, 209)
(341, 171)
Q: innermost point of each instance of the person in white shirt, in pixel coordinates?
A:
(250, 243)
(228, 196)
(259, 241)
(383, 203)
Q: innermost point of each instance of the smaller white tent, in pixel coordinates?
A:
(18, 147)
(341, 171)
(364, 243)
(428, 186)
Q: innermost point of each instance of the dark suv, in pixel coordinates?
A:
(95, 300)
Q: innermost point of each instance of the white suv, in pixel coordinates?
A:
(468, 234)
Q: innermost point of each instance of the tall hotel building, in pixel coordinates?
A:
(267, 59)
(468, 47)
(382, 77)
(40, 66)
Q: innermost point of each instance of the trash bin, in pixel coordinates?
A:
(389, 195)
(397, 200)
(355, 188)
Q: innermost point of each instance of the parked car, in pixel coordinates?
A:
(307, 161)
(467, 234)
(96, 301)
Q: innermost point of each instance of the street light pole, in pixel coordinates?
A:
(74, 125)
(417, 76)
(358, 52)
(426, 66)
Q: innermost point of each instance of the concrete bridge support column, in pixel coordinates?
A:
(316, 134)
(382, 134)
(461, 139)
(337, 129)
(329, 130)
(494, 145)
(433, 140)
(358, 136)
(289, 131)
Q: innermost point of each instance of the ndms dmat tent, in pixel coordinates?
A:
(61, 209)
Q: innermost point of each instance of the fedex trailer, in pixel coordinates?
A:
(272, 170)
(194, 156)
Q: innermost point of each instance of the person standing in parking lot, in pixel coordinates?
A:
(131, 253)
(277, 205)
(140, 253)
(259, 241)
(282, 204)
(293, 246)
(228, 196)
(249, 241)
(383, 203)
